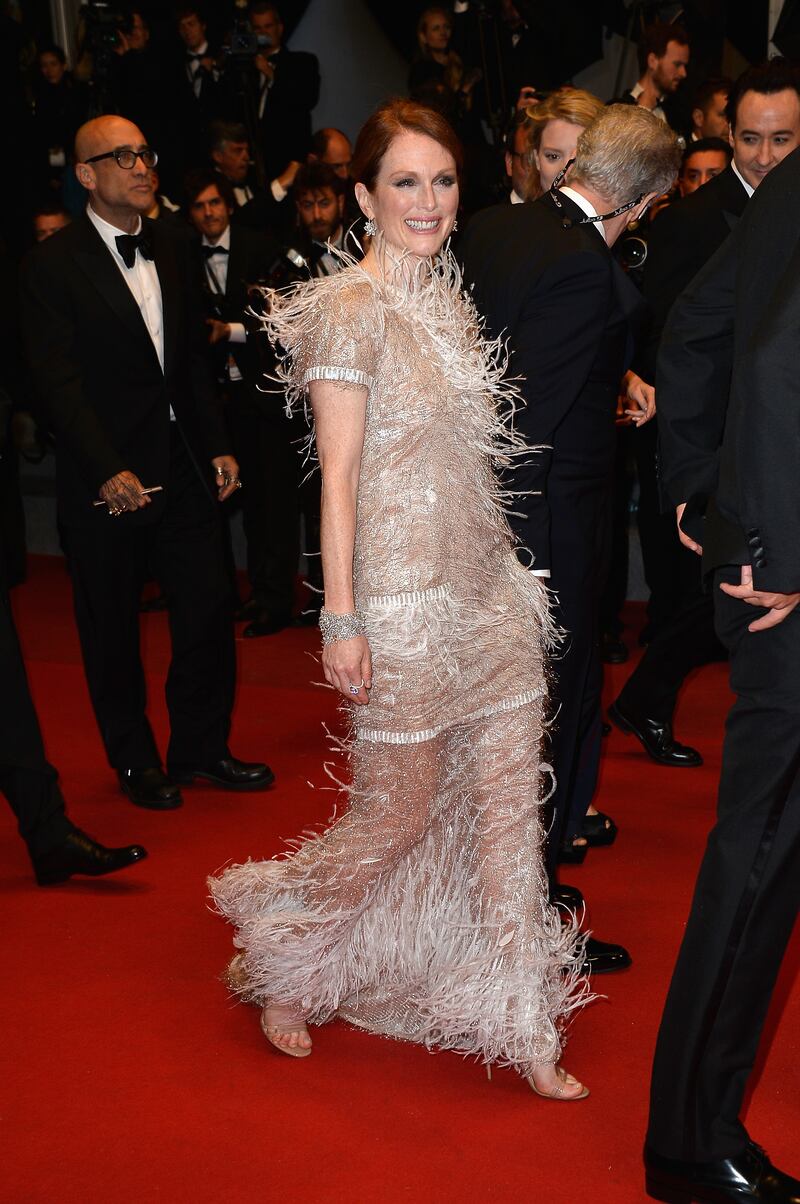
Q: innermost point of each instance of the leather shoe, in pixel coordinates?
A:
(247, 610)
(655, 736)
(150, 788)
(266, 624)
(612, 650)
(602, 958)
(79, 854)
(230, 774)
(567, 897)
(750, 1176)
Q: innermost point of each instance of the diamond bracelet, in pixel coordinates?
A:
(339, 627)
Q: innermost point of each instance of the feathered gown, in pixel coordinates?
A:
(423, 912)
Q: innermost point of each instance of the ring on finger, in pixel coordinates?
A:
(355, 689)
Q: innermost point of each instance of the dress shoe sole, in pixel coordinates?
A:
(592, 968)
(188, 779)
(670, 1192)
(629, 730)
(152, 804)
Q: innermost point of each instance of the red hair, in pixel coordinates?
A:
(387, 123)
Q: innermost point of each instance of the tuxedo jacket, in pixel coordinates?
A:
(570, 315)
(250, 262)
(729, 392)
(96, 372)
(682, 238)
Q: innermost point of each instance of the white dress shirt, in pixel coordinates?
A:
(636, 92)
(193, 68)
(749, 189)
(515, 198)
(141, 279)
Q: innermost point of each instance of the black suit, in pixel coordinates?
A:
(567, 310)
(107, 400)
(682, 240)
(285, 123)
(729, 402)
(262, 435)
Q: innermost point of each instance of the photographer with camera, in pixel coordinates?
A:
(287, 89)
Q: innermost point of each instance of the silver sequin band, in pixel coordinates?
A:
(352, 376)
(339, 627)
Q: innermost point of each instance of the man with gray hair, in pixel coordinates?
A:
(543, 275)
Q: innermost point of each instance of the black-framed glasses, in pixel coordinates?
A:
(126, 157)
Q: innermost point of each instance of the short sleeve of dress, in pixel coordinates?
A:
(328, 329)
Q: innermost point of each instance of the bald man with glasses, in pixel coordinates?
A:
(117, 350)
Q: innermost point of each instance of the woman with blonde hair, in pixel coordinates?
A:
(556, 124)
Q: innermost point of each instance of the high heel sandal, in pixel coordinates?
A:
(271, 1031)
(558, 1092)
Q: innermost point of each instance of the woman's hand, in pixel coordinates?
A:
(349, 663)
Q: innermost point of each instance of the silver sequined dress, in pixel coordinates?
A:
(422, 913)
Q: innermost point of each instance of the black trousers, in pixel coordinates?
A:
(26, 779)
(265, 445)
(580, 529)
(109, 563)
(683, 643)
(745, 902)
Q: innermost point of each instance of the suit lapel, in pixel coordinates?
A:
(96, 261)
(164, 259)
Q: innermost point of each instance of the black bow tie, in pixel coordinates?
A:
(194, 58)
(209, 251)
(127, 245)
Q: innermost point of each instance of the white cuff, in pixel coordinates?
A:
(278, 191)
(539, 572)
(238, 333)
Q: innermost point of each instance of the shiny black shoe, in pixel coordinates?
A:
(602, 958)
(569, 898)
(265, 624)
(230, 774)
(748, 1177)
(612, 650)
(150, 788)
(598, 830)
(79, 854)
(655, 737)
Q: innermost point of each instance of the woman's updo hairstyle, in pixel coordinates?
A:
(397, 117)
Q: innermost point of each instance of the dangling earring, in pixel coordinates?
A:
(454, 226)
(370, 228)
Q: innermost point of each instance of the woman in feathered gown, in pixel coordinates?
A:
(423, 912)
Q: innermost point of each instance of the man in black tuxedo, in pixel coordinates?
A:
(265, 209)
(663, 55)
(729, 399)
(287, 87)
(543, 273)
(764, 112)
(234, 261)
(116, 349)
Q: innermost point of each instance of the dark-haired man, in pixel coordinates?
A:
(288, 89)
(764, 112)
(518, 157)
(48, 220)
(234, 260)
(710, 109)
(702, 161)
(259, 208)
(663, 55)
(319, 197)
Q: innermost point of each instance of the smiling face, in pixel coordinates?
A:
(767, 130)
(415, 198)
(558, 144)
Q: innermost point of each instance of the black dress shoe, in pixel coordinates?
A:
(602, 958)
(568, 898)
(612, 649)
(598, 830)
(247, 610)
(572, 854)
(79, 854)
(230, 774)
(655, 736)
(750, 1176)
(150, 788)
(266, 624)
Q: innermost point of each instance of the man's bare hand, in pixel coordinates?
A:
(263, 65)
(641, 396)
(685, 539)
(226, 472)
(218, 332)
(287, 176)
(124, 492)
(777, 606)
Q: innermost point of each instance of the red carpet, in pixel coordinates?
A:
(128, 1077)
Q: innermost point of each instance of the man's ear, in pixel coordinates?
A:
(652, 61)
(697, 117)
(85, 176)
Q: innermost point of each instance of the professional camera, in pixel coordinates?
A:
(101, 23)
